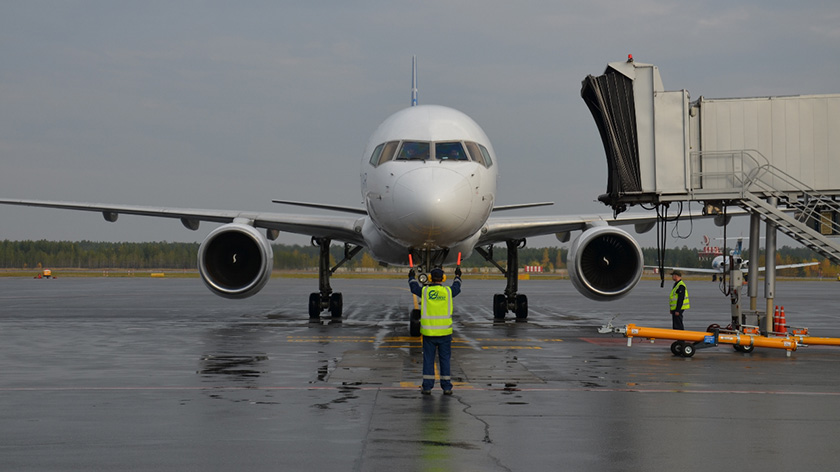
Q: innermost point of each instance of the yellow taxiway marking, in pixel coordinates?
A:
(462, 385)
(519, 340)
(511, 347)
(411, 339)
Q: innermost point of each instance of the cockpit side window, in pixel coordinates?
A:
(383, 153)
(486, 154)
(475, 153)
(450, 152)
(388, 151)
(374, 157)
(413, 150)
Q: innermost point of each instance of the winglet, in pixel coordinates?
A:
(414, 81)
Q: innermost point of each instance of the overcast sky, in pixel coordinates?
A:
(228, 105)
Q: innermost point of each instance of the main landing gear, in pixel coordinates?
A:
(510, 300)
(325, 298)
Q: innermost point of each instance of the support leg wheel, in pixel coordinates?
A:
(688, 350)
(676, 348)
(744, 349)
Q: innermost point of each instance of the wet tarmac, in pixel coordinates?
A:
(159, 374)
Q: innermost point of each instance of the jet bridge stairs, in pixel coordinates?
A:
(758, 187)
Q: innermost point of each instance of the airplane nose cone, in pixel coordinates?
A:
(432, 204)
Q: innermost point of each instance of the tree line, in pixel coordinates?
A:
(166, 255)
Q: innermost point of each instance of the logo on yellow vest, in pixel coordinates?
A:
(433, 295)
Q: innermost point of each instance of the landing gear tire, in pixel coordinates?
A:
(336, 305)
(499, 307)
(414, 323)
(521, 310)
(314, 307)
(688, 350)
(677, 348)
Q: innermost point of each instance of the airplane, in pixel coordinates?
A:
(720, 264)
(428, 180)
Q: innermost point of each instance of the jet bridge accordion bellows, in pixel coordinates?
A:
(610, 100)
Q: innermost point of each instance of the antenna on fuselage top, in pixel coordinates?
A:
(414, 81)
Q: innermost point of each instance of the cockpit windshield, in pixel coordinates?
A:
(413, 151)
(424, 151)
(450, 152)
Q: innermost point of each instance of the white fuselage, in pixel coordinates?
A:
(428, 181)
(719, 264)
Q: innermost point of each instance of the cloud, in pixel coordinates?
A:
(218, 104)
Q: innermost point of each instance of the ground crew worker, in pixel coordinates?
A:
(679, 300)
(436, 326)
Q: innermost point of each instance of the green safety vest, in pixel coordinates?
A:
(436, 314)
(674, 296)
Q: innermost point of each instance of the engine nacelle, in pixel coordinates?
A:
(605, 263)
(235, 261)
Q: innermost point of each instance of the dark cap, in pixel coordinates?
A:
(437, 274)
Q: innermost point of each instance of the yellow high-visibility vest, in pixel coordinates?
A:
(436, 313)
(674, 296)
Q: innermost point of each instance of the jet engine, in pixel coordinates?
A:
(235, 261)
(605, 263)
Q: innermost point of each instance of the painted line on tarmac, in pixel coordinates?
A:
(403, 342)
(414, 386)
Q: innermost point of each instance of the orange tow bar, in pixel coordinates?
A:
(817, 341)
(687, 342)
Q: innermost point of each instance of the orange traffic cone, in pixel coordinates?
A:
(776, 320)
(782, 321)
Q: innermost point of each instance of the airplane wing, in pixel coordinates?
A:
(500, 229)
(698, 270)
(695, 270)
(497, 230)
(338, 228)
(792, 266)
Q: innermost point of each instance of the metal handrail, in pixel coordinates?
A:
(745, 172)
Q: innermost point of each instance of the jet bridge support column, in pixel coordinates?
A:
(752, 274)
(770, 269)
(736, 280)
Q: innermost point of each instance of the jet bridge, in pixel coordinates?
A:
(660, 147)
(776, 157)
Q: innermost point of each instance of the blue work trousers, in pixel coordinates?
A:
(677, 319)
(443, 346)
